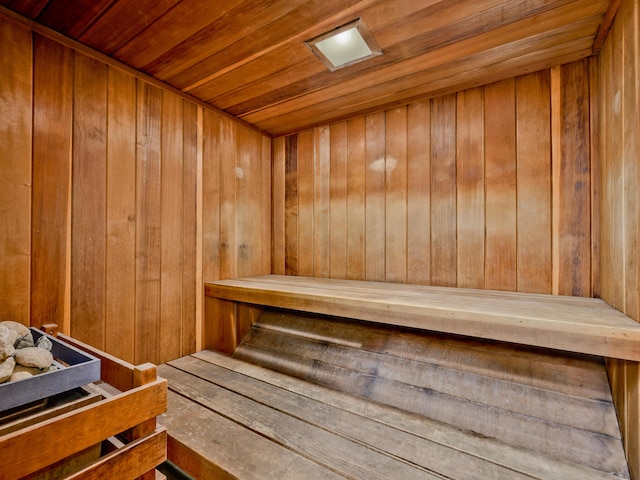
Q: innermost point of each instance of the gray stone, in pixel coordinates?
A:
(19, 328)
(6, 348)
(6, 332)
(25, 341)
(34, 357)
(6, 369)
(15, 376)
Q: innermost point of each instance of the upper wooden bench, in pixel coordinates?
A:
(575, 324)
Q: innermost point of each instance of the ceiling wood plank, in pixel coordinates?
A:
(124, 21)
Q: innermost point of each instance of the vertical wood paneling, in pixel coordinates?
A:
(121, 214)
(306, 196)
(500, 164)
(618, 124)
(291, 205)
(89, 181)
(321, 202)
(190, 282)
(470, 188)
(443, 191)
(116, 213)
(375, 213)
(148, 223)
(454, 191)
(419, 193)
(338, 229)
(16, 65)
(279, 196)
(172, 214)
(534, 183)
(50, 220)
(396, 195)
(356, 175)
(228, 233)
(574, 184)
(210, 196)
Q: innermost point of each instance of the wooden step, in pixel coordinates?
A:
(230, 419)
(575, 324)
(556, 404)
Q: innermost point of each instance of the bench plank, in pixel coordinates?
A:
(449, 452)
(554, 420)
(575, 324)
(334, 452)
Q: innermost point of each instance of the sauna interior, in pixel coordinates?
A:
(151, 148)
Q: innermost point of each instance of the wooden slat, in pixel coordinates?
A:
(191, 229)
(291, 205)
(279, 200)
(22, 451)
(456, 454)
(228, 233)
(207, 458)
(16, 123)
(50, 218)
(306, 163)
(148, 222)
(547, 321)
(574, 191)
(443, 192)
(533, 183)
(418, 193)
(172, 213)
(89, 185)
(470, 188)
(120, 215)
(320, 218)
(396, 195)
(375, 164)
(500, 152)
(210, 195)
(130, 461)
(356, 215)
(338, 188)
(330, 450)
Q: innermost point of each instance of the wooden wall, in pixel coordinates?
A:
(118, 197)
(487, 188)
(619, 146)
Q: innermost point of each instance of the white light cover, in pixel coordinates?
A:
(344, 47)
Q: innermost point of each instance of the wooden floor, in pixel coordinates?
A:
(359, 401)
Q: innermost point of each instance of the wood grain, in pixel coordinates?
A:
(443, 192)
(50, 219)
(560, 322)
(89, 185)
(470, 176)
(495, 189)
(16, 123)
(121, 211)
(148, 224)
(500, 151)
(172, 213)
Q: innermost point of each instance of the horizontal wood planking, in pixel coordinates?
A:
(444, 450)
(575, 324)
(112, 214)
(618, 121)
(480, 162)
(410, 370)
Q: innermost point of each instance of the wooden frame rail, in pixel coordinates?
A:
(52, 439)
(575, 324)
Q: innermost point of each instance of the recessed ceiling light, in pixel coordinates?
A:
(345, 45)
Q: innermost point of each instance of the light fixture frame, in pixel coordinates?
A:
(359, 25)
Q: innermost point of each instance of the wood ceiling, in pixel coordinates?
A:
(247, 57)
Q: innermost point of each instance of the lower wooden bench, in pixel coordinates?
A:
(322, 397)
